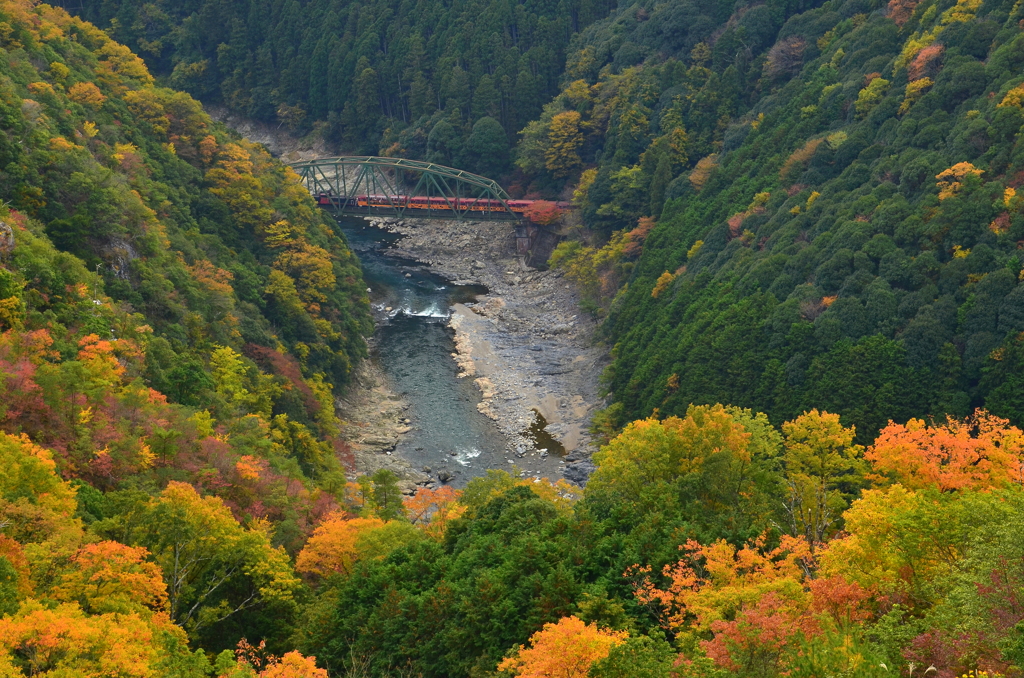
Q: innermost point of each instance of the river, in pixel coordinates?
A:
(413, 345)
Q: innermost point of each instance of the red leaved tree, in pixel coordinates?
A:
(543, 212)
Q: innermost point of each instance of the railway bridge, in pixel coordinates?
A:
(361, 186)
(397, 187)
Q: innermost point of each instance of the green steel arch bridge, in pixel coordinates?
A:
(397, 187)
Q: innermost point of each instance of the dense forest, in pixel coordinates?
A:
(449, 82)
(760, 180)
(853, 241)
(176, 317)
(798, 222)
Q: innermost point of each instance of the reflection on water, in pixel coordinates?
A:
(542, 440)
(414, 346)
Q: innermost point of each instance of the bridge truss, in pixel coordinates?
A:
(397, 187)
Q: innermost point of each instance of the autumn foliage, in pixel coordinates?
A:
(543, 212)
(178, 319)
(565, 140)
(713, 582)
(110, 577)
(900, 11)
(760, 604)
(951, 181)
(978, 453)
(254, 661)
(65, 641)
(925, 63)
(433, 510)
(565, 649)
(293, 665)
(333, 547)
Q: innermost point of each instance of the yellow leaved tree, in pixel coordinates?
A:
(951, 181)
(562, 157)
(213, 566)
(34, 502)
(335, 545)
(820, 457)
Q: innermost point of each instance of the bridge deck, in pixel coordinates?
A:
(348, 207)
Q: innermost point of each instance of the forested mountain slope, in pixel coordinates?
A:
(413, 79)
(849, 241)
(711, 545)
(860, 246)
(796, 207)
(652, 90)
(173, 309)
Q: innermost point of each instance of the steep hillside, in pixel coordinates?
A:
(451, 83)
(173, 306)
(792, 208)
(850, 242)
(652, 89)
(721, 120)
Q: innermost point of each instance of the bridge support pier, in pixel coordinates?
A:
(526, 235)
(534, 244)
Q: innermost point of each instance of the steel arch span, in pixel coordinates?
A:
(397, 187)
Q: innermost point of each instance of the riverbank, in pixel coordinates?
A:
(526, 343)
(374, 419)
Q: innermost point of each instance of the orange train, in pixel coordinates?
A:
(421, 202)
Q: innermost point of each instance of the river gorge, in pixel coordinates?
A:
(451, 299)
(477, 361)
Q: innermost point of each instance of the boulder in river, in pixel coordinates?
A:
(579, 471)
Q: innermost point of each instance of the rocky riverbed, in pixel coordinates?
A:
(374, 418)
(526, 343)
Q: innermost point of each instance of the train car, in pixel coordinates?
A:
(394, 201)
(419, 202)
(328, 199)
(422, 202)
(519, 206)
(481, 205)
(436, 204)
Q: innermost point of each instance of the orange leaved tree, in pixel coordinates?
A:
(294, 665)
(64, 641)
(111, 577)
(253, 661)
(759, 604)
(432, 510)
(332, 548)
(978, 453)
(562, 650)
(712, 582)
